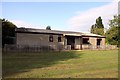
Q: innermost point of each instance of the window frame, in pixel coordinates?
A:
(50, 38)
(85, 41)
(59, 39)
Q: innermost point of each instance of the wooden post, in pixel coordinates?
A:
(81, 40)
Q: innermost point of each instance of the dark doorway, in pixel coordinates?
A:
(98, 41)
(71, 41)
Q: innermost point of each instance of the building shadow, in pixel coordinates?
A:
(14, 63)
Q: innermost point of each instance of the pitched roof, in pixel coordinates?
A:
(65, 33)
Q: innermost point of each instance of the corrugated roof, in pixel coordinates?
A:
(71, 33)
(90, 34)
(47, 31)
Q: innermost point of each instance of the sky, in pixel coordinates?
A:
(65, 16)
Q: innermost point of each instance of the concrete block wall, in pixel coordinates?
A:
(38, 40)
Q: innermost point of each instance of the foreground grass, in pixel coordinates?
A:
(68, 64)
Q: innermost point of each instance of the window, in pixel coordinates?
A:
(51, 38)
(85, 40)
(59, 38)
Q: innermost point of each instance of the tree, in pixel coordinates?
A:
(8, 32)
(92, 29)
(48, 28)
(98, 27)
(112, 34)
(99, 23)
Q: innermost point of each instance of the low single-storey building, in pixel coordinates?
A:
(54, 39)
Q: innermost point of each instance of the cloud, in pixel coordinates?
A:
(82, 21)
(20, 23)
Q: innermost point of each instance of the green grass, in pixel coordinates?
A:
(67, 64)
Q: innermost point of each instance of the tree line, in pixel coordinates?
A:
(112, 34)
(8, 32)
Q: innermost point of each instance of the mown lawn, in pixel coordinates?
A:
(67, 64)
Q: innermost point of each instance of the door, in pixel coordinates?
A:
(98, 43)
(71, 41)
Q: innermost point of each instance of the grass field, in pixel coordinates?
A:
(67, 64)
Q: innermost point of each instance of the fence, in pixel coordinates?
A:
(99, 47)
(38, 48)
(32, 48)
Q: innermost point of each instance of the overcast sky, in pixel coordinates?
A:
(73, 16)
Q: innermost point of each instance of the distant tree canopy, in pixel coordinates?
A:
(113, 33)
(98, 27)
(8, 32)
(48, 28)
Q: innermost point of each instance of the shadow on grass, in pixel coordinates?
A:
(14, 63)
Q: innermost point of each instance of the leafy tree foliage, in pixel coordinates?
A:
(113, 34)
(98, 27)
(48, 28)
(8, 32)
